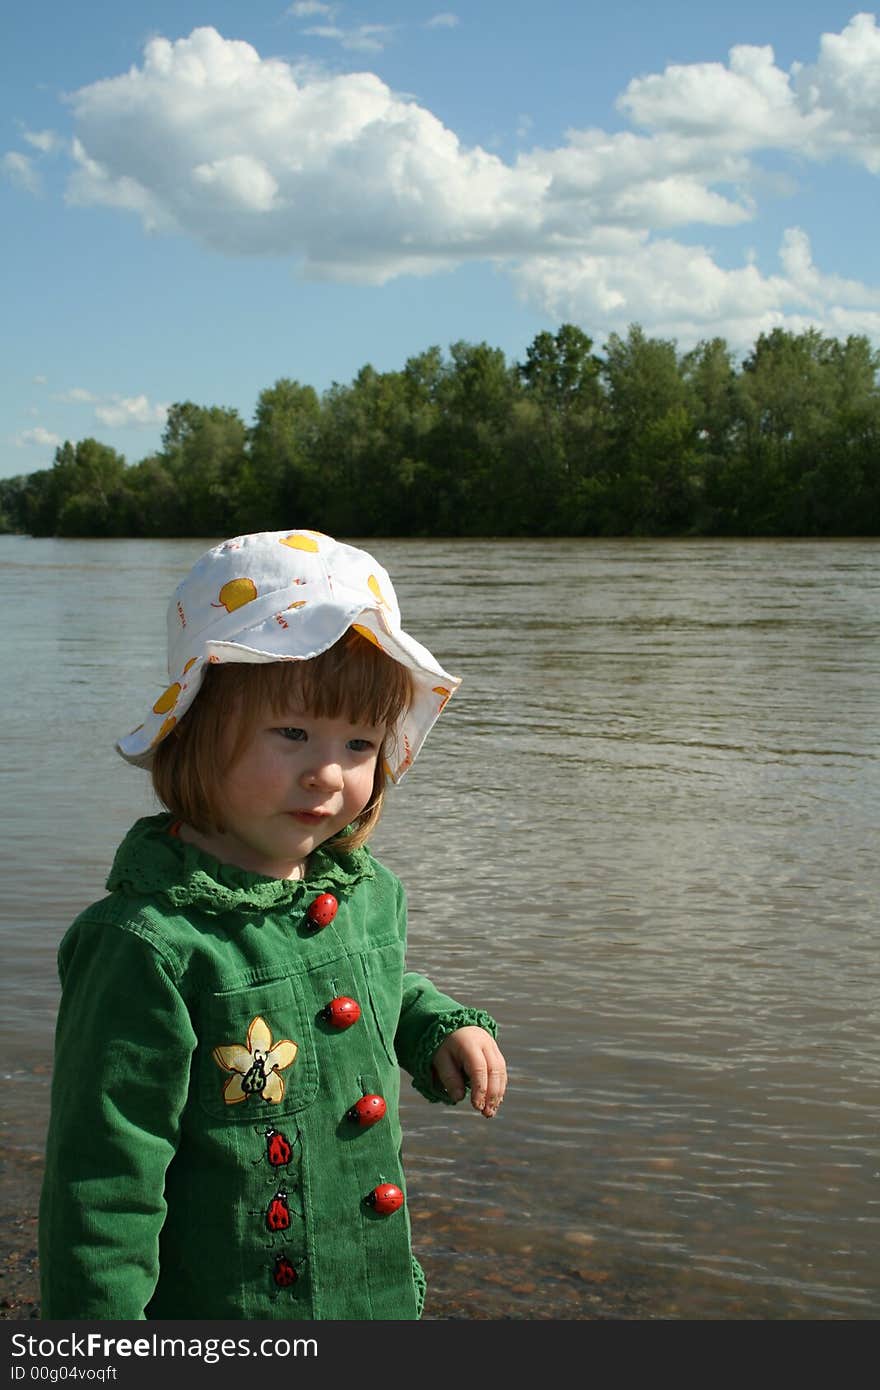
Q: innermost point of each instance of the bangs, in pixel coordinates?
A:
(352, 680)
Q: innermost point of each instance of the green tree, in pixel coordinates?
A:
(468, 457)
(791, 389)
(713, 400)
(562, 380)
(203, 449)
(279, 486)
(87, 490)
(652, 445)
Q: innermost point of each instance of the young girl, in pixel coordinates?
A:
(224, 1139)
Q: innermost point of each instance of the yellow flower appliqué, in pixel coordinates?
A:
(256, 1067)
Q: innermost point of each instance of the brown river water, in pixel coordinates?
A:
(644, 835)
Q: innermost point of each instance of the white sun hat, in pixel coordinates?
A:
(282, 596)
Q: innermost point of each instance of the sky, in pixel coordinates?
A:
(200, 198)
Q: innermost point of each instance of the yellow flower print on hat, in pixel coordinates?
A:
(167, 700)
(165, 730)
(301, 543)
(256, 1065)
(373, 586)
(235, 594)
(370, 636)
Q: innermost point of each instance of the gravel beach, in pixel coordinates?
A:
(469, 1277)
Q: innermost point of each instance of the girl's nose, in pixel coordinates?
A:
(324, 775)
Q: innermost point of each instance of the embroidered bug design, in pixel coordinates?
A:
(276, 1216)
(254, 1080)
(255, 1066)
(278, 1212)
(284, 1272)
(278, 1149)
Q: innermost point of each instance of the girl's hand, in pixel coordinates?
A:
(471, 1055)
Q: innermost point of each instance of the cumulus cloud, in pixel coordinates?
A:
(39, 437)
(251, 156)
(683, 293)
(131, 411)
(445, 20)
(830, 107)
(304, 9)
(365, 38)
(19, 168)
(46, 141)
(118, 412)
(210, 140)
(76, 395)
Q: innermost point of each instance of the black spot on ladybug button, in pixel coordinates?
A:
(341, 1012)
(369, 1110)
(385, 1199)
(321, 912)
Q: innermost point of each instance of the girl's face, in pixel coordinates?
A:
(299, 781)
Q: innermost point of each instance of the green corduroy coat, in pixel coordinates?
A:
(196, 1167)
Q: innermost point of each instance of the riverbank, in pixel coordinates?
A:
(469, 1277)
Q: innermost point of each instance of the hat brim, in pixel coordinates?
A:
(299, 637)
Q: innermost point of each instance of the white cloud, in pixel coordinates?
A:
(304, 8)
(681, 292)
(831, 107)
(43, 140)
(844, 85)
(337, 170)
(131, 411)
(238, 181)
(442, 21)
(19, 168)
(366, 38)
(39, 437)
(251, 156)
(76, 395)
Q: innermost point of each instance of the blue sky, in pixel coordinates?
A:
(200, 198)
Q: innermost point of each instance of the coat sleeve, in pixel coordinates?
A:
(123, 1049)
(427, 1016)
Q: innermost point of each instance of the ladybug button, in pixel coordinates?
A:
(321, 912)
(369, 1110)
(385, 1198)
(341, 1012)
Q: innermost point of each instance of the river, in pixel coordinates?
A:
(643, 835)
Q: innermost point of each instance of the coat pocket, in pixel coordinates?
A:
(383, 969)
(256, 1057)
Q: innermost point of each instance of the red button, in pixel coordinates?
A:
(341, 1012)
(322, 911)
(385, 1198)
(369, 1110)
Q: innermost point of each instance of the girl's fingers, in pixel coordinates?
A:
(449, 1074)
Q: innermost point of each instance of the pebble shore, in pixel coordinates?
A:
(472, 1275)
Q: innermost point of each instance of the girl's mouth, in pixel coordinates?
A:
(308, 817)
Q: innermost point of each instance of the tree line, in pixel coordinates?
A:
(640, 440)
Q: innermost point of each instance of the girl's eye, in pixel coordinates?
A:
(360, 745)
(295, 735)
